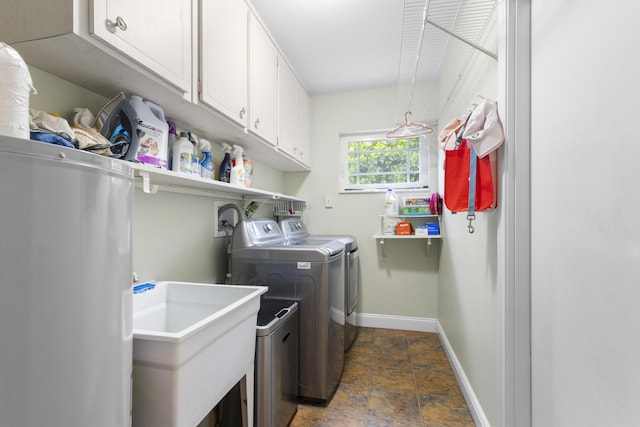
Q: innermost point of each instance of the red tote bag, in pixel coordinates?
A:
(456, 180)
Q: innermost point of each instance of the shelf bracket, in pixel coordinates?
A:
(146, 183)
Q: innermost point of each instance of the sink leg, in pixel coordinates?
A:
(246, 396)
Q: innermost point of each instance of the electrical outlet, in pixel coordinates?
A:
(328, 203)
(229, 216)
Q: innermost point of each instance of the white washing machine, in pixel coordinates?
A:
(310, 272)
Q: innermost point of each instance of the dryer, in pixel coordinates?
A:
(311, 272)
(294, 229)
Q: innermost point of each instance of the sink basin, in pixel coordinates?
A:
(192, 343)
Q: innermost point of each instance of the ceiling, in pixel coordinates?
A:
(342, 45)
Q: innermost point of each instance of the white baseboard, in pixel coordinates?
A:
(423, 324)
(473, 403)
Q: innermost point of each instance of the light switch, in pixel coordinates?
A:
(328, 203)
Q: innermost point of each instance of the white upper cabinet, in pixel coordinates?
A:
(223, 57)
(303, 128)
(263, 83)
(157, 35)
(293, 116)
(287, 109)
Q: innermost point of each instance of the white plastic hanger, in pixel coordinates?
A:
(409, 129)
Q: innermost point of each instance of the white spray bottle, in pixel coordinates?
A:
(237, 171)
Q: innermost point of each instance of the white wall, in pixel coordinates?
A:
(585, 235)
(405, 282)
(469, 267)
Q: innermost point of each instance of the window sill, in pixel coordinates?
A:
(384, 190)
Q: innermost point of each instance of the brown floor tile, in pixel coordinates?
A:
(376, 422)
(304, 415)
(392, 363)
(356, 372)
(434, 382)
(350, 399)
(334, 419)
(392, 379)
(394, 405)
(445, 410)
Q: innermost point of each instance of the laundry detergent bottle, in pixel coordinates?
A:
(138, 131)
(391, 202)
(237, 170)
(224, 173)
(182, 154)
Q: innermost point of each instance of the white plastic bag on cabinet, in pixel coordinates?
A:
(15, 87)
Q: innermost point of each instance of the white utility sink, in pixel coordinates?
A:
(192, 343)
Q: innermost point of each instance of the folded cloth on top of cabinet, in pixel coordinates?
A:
(50, 138)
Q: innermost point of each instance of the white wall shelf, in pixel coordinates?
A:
(381, 237)
(411, 236)
(409, 218)
(154, 179)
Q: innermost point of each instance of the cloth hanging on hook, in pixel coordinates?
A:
(483, 129)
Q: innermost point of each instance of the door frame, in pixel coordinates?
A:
(514, 364)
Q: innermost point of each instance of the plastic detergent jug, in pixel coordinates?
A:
(206, 163)
(391, 202)
(15, 87)
(237, 171)
(138, 131)
(182, 154)
(224, 173)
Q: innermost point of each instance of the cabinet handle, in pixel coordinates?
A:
(257, 123)
(242, 113)
(120, 23)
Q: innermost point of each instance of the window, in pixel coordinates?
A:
(371, 161)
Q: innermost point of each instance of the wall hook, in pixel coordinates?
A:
(146, 183)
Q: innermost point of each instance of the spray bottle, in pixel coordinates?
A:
(224, 173)
(206, 164)
(195, 159)
(248, 172)
(237, 171)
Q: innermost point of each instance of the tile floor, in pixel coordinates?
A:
(392, 378)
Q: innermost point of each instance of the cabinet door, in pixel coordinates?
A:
(223, 57)
(287, 109)
(157, 35)
(303, 134)
(263, 82)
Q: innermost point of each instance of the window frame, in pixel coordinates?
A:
(380, 135)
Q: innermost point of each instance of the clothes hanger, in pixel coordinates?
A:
(408, 129)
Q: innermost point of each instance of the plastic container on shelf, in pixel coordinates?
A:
(237, 170)
(206, 163)
(182, 154)
(139, 129)
(248, 172)
(391, 202)
(224, 173)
